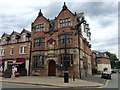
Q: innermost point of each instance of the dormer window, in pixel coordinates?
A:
(39, 27)
(13, 39)
(4, 40)
(23, 38)
(65, 22)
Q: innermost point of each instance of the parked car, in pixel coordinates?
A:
(106, 75)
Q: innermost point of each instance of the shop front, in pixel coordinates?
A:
(1, 67)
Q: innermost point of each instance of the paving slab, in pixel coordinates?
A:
(51, 81)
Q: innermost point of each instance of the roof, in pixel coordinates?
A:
(16, 33)
(26, 31)
(100, 54)
(5, 34)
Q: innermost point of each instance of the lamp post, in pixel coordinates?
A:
(66, 77)
(79, 30)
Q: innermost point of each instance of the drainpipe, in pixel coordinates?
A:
(30, 58)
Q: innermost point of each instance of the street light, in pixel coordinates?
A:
(66, 77)
(77, 28)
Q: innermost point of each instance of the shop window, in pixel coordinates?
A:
(69, 59)
(38, 61)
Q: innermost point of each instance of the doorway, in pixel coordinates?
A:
(52, 68)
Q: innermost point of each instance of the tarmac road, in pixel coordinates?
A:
(113, 83)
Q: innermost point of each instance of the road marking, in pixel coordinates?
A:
(106, 83)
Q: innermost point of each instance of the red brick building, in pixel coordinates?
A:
(48, 44)
(15, 50)
(100, 61)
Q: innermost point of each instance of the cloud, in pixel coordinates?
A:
(101, 16)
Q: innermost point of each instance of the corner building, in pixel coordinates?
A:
(48, 45)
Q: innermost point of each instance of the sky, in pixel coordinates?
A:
(102, 17)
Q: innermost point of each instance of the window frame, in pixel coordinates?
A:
(23, 38)
(22, 50)
(39, 27)
(38, 61)
(61, 38)
(39, 42)
(11, 51)
(65, 22)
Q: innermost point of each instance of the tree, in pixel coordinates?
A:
(114, 60)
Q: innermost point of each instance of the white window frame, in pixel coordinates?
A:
(13, 39)
(2, 52)
(11, 51)
(23, 38)
(23, 50)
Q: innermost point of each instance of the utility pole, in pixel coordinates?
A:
(66, 77)
(78, 28)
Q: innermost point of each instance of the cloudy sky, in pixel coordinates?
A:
(101, 16)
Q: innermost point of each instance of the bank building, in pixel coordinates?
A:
(50, 38)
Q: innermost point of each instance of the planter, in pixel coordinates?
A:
(7, 73)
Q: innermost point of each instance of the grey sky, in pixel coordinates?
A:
(101, 16)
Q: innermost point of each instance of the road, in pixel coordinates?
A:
(113, 83)
(95, 78)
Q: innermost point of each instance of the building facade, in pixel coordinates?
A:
(100, 61)
(15, 50)
(48, 45)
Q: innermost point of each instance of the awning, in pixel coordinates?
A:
(18, 63)
(10, 62)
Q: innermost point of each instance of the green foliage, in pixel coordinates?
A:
(7, 73)
(113, 58)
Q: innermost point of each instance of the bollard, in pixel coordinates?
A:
(73, 77)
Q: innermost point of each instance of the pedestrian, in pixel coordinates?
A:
(14, 69)
(1, 69)
(73, 73)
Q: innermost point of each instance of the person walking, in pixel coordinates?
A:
(14, 69)
(1, 69)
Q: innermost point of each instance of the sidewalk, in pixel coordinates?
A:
(51, 81)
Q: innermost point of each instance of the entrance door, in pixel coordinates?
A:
(52, 68)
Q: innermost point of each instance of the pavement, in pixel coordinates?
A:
(51, 81)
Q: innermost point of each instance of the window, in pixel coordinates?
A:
(64, 22)
(2, 52)
(38, 61)
(69, 59)
(22, 50)
(11, 51)
(23, 38)
(61, 39)
(39, 42)
(13, 39)
(39, 27)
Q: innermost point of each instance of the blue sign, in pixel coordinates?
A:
(51, 56)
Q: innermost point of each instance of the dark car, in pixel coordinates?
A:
(106, 75)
